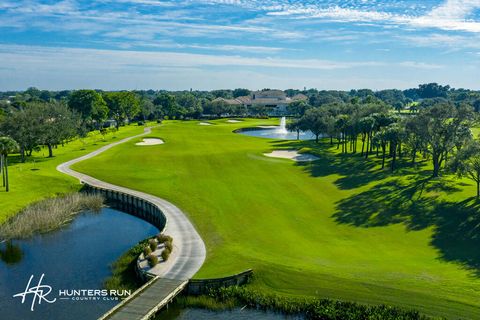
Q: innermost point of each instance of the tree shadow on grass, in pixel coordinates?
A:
(355, 171)
(409, 196)
(456, 225)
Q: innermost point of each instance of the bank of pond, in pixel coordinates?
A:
(97, 250)
(77, 256)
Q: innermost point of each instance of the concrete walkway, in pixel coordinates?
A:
(189, 248)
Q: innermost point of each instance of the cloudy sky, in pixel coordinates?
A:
(211, 44)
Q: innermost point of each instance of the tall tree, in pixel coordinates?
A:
(123, 105)
(7, 146)
(439, 128)
(24, 126)
(316, 120)
(466, 163)
(167, 104)
(58, 124)
(89, 104)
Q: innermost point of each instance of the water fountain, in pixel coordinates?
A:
(282, 129)
(277, 132)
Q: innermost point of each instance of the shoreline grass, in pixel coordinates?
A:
(48, 215)
(38, 179)
(123, 275)
(321, 309)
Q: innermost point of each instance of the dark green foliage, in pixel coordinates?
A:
(324, 309)
(123, 270)
(165, 254)
(152, 243)
(152, 260)
(90, 104)
(161, 238)
(168, 245)
(147, 251)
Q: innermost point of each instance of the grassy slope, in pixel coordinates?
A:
(329, 229)
(38, 178)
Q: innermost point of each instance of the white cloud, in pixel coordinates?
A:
(34, 56)
(450, 15)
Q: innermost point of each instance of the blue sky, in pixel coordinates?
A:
(212, 44)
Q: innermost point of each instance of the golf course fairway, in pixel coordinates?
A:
(338, 227)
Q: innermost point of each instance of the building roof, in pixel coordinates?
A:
(266, 97)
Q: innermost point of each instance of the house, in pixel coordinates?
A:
(275, 101)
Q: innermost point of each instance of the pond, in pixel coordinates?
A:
(175, 313)
(75, 257)
(276, 133)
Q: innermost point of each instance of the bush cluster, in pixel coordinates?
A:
(147, 251)
(322, 309)
(166, 254)
(162, 238)
(152, 260)
(169, 246)
(48, 215)
(152, 243)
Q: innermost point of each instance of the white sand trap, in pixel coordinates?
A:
(204, 124)
(268, 127)
(150, 142)
(292, 155)
(233, 121)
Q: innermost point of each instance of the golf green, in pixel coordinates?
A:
(338, 227)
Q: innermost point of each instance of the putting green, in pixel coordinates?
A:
(336, 228)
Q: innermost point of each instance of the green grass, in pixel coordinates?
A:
(123, 275)
(38, 178)
(337, 228)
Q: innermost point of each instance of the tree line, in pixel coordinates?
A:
(358, 120)
(440, 133)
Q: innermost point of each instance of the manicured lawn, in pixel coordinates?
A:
(336, 228)
(38, 179)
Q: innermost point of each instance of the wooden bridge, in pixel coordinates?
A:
(144, 303)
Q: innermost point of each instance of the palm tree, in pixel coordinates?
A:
(7, 145)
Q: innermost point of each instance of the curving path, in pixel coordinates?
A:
(189, 250)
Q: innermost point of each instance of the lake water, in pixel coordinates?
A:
(275, 134)
(75, 257)
(175, 313)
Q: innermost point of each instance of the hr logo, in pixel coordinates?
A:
(38, 292)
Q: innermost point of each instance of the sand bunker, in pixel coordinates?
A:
(150, 142)
(268, 127)
(292, 155)
(233, 121)
(204, 124)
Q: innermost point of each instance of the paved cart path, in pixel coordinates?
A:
(189, 250)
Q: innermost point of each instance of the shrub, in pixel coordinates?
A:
(124, 275)
(152, 243)
(48, 215)
(159, 121)
(165, 254)
(152, 260)
(147, 251)
(324, 309)
(164, 238)
(169, 246)
(141, 123)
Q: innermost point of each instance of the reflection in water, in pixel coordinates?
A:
(72, 258)
(11, 253)
(176, 313)
(277, 134)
